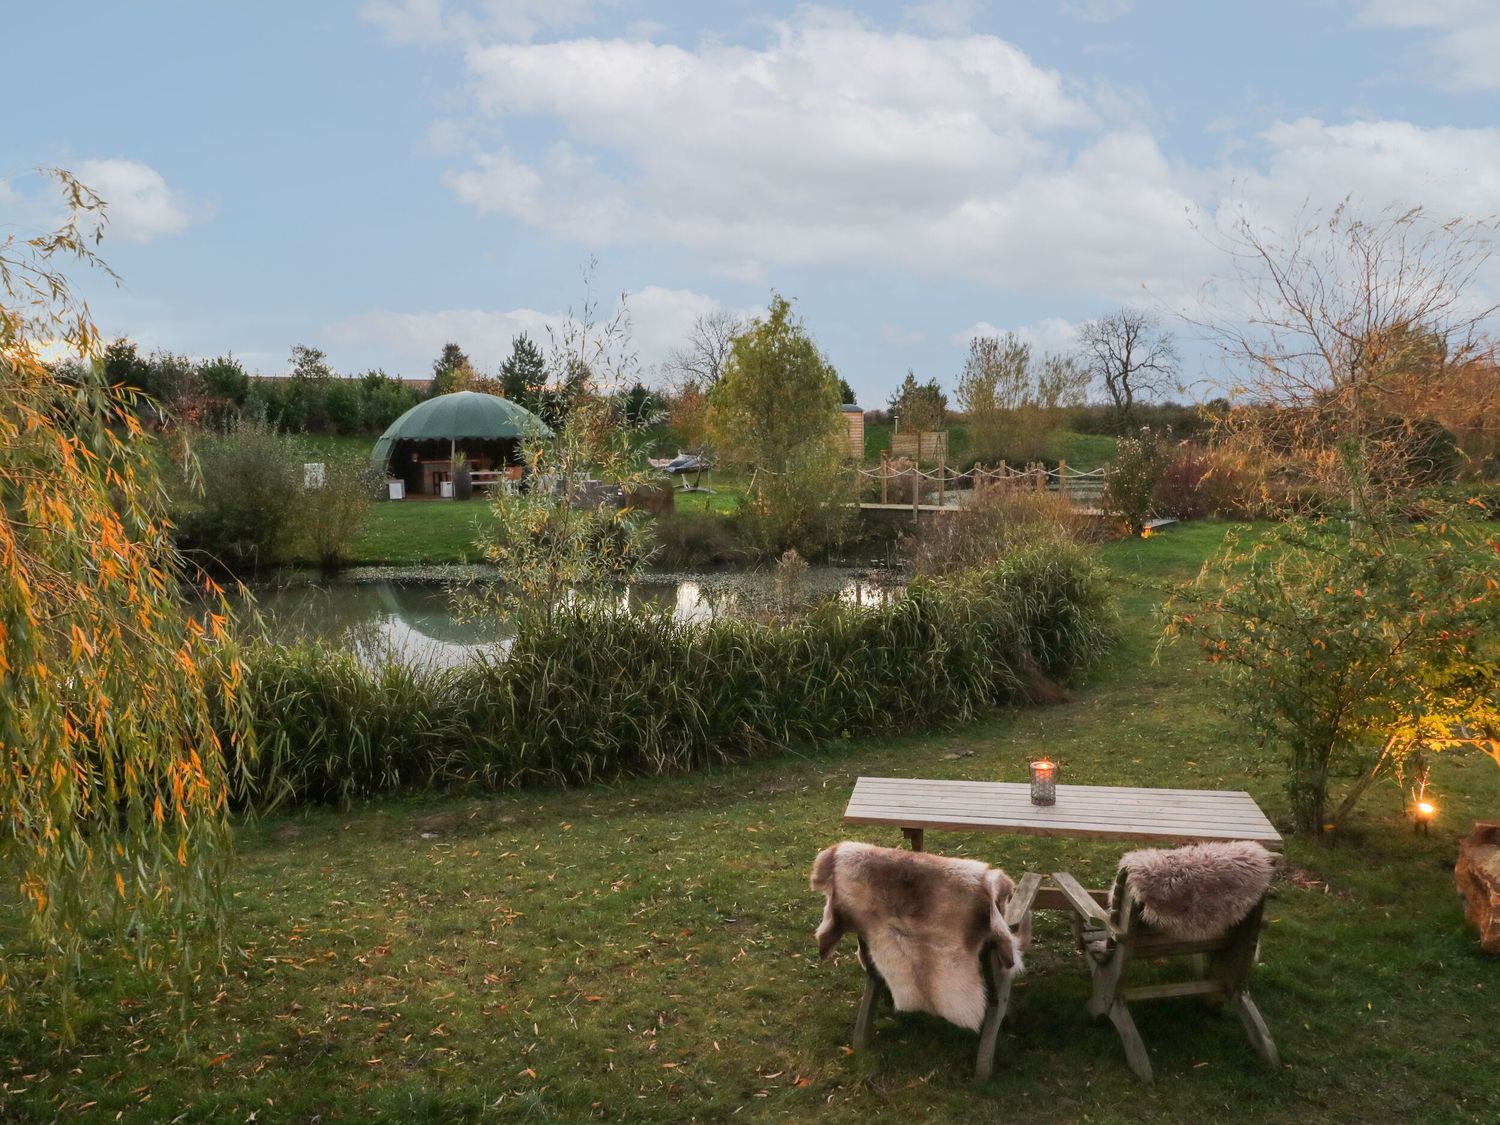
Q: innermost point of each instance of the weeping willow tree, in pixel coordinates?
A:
(113, 781)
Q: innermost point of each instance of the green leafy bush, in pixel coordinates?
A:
(331, 515)
(1134, 475)
(241, 513)
(1350, 646)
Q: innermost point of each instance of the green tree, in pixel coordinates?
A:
(451, 371)
(223, 388)
(565, 540)
(919, 407)
(523, 375)
(383, 399)
(115, 791)
(776, 409)
(343, 407)
(304, 405)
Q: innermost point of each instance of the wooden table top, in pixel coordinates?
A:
(1180, 816)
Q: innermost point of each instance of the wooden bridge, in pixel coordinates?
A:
(906, 486)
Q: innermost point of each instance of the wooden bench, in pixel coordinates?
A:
(1114, 939)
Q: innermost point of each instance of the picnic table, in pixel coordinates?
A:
(1168, 816)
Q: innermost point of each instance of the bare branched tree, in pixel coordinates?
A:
(701, 359)
(1355, 337)
(1129, 353)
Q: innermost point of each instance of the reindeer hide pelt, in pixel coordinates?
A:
(925, 919)
(1199, 891)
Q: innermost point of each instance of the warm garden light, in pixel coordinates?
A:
(1043, 782)
(1423, 811)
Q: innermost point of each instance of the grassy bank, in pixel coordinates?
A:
(643, 951)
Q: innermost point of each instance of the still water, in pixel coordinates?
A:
(418, 621)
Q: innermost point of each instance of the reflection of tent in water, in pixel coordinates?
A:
(427, 611)
(420, 446)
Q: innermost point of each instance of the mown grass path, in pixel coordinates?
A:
(644, 952)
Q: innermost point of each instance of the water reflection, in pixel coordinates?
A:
(418, 622)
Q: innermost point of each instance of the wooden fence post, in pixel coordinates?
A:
(885, 477)
(1062, 478)
(942, 477)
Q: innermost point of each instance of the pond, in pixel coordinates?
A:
(414, 618)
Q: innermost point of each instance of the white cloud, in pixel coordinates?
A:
(1465, 36)
(141, 207)
(835, 142)
(1050, 335)
(1450, 171)
(659, 318)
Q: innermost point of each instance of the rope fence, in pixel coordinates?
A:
(1083, 489)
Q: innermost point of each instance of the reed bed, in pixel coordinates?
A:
(602, 693)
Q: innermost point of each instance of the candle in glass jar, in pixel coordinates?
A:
(1043, 782)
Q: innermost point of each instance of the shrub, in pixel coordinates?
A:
(1180, 491)
(332, 515)
(600, 692)
(1133, 476)
(1350, 646)
(999, 520)
(810, 506)
(241, 511)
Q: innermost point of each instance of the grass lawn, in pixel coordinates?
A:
(644, 951)
(420, 532)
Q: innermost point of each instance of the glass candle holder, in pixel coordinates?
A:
(1044, 783)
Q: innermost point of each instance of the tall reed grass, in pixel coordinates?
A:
(603, 692)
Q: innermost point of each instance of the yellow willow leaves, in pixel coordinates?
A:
(113, 769)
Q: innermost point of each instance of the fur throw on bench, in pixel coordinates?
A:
(1199, 891)
(925, 920)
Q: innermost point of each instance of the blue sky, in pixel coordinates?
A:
(376, 176)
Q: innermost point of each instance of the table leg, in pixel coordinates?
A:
(913, 838)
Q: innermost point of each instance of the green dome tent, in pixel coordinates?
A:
(463, 421)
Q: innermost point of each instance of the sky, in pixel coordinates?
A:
(377, 177)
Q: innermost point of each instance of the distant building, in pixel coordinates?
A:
(854, 422)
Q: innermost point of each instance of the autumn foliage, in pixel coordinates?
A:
(113, 783)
